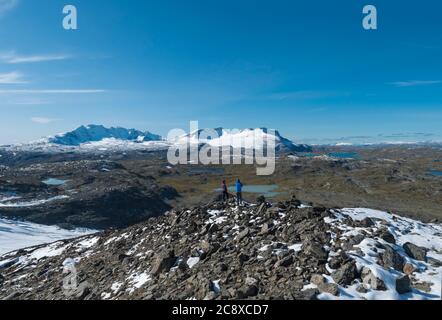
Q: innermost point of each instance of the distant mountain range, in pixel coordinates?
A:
(100, 138)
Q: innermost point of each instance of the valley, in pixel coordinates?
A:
(116, 189)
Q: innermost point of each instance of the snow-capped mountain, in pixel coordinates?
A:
(94, 133)
(246, 138)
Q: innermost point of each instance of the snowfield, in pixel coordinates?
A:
(16, 235)
(6, 203)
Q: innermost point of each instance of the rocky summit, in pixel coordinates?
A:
(284, 250)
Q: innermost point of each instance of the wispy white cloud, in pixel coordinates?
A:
(7, 5)
(11, 78)
(13, 58)
(44, 120)
(51, 91)
(414, 83)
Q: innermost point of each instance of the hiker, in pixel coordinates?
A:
(225, 191)
(239, 186)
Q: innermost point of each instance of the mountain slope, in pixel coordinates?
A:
(288, 251)
(94, 133)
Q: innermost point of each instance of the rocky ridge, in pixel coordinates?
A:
(281, 251)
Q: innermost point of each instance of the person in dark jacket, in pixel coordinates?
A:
(238, 186)
(225, 191)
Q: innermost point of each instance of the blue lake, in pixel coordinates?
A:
(344, 155)
(265, 190)
(436, 173)
(54, 182)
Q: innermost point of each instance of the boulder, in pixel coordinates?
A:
(369, 279)
(415, 252)
(319, 210)
(337, 261)
(361, 289)
(385, 235)
(285, 262)
(391, 259)
(331, 288)
(434, 262)
(366, 223)
(222, 267)
(82, 290)
(317, 279)
(266, 228)
(243, 234)
(247, 291)
(251, 281)
(345, 275)
(242, 257)
(357, 239)
(403, 284)
(163, 262)
(315, 250)
(409, 268)
(309, 294)
(423, 286)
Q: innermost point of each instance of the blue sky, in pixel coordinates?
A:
(307, 68)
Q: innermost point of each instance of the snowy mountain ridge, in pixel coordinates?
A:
(99, 138)
(243, 138)
(95, 133)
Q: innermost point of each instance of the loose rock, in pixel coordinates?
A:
(345, 274)
(403, 284)
(415, 252)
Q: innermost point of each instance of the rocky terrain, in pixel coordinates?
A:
(216, 251)
(96, 194)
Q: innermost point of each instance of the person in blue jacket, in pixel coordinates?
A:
(239, 186)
